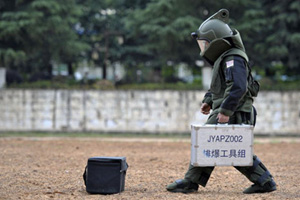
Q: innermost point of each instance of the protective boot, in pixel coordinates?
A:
(193, 177)
(199, 175)
(183, 186)
(260, 176)
(256, 188)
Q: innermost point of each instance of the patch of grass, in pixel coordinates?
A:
(161, 86)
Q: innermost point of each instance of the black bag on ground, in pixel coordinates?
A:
(105, 175)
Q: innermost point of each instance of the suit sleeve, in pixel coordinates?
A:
(208, 98)
(235, 71)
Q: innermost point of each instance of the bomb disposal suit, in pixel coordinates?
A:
(230, 97)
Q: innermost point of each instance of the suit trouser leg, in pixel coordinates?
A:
(257, 173)
(199, 175)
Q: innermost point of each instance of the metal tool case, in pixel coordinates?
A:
(221, 145)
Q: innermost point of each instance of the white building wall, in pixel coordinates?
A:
(133, 111)
(2, 77)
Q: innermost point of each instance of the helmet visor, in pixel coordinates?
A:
(202, 45)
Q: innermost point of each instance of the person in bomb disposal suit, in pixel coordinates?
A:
(230, 97)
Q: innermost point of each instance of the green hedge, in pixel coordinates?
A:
(266, 84)
(161, 86)
(277, 85)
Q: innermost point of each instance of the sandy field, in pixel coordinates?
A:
(52, 168)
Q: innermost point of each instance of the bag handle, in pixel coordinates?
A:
(84, 175)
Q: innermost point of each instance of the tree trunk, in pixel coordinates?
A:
(49, 70)
(70, 69)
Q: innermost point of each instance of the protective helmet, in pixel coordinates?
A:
(214, 27)
(220, 36)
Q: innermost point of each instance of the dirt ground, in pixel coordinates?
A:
(52, 168)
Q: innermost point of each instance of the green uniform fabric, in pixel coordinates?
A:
(220, 88)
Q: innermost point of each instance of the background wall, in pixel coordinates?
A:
(133, 111)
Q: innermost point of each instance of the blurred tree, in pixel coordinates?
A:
(250, 26)
(160, 32)
(34, 33)
(271, 30)
(156, 33)
(101, 27)
(282, 43)
(11, 50)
